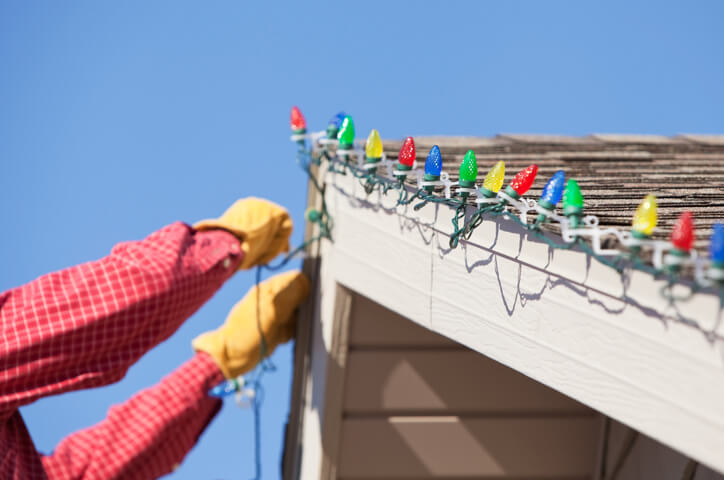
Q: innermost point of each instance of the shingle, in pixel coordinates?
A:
(619, 138)
(466, 142)
(546, 139)
(704, 139)
(600, 155)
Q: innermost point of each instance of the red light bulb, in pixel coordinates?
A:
(683, 234)
(524, 179)
(407, 153)
(297, 120)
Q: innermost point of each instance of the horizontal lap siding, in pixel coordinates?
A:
(418, 405)
(460, 382)
(430, 447)
(374, 326)
(648, 458)
(389, 386)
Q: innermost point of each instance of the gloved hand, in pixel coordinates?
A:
(262, 227)
(236, 345)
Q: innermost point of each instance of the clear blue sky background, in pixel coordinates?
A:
(117, 118)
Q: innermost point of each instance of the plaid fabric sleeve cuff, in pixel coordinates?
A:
(202, 371)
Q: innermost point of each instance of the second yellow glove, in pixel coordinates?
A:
(236, 345)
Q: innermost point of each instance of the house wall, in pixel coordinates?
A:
(418, 405)
(607, 340)
(648, 459)
(415, 404)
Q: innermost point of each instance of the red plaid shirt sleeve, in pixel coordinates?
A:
(147, 436)
(84, 326)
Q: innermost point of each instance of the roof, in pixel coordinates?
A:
(614, 171)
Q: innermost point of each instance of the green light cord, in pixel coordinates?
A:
(372, 181)
(324, 221)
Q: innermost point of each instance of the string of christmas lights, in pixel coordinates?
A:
(248, 389)
(365, 160)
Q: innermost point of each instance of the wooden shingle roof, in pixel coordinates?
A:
(615, 172)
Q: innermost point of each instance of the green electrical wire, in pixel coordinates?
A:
(324, 221)
(371, 182)
(618, 262)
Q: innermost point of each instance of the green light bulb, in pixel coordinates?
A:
(468, 170)
(572, 198)
(346, 133)
(573, 203)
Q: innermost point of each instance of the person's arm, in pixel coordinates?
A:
(146, 437)
(84, 326)
(150, 434)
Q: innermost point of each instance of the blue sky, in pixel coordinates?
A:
(117, 118)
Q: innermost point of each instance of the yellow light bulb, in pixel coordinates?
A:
(494, 179)
(644, 220)
(373, 147)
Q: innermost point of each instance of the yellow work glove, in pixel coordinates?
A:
(236, 345)
(262, 227)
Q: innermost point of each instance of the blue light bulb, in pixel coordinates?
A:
(227, 387)
(433, 164)
(337, 119)
(553, 191)
(716, 247)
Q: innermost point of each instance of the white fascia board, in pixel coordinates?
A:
(558, 316)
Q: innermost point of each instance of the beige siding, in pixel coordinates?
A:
(445, 381)
(648, 458)
(569, 323)
(418, 405)
(430, 447)
(372, 325)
